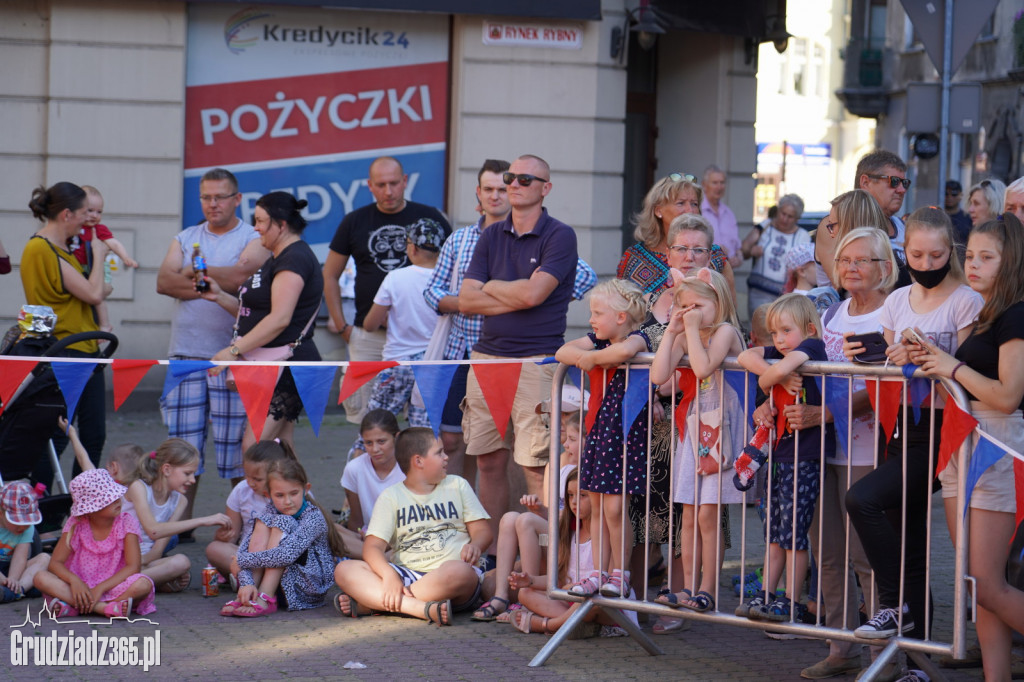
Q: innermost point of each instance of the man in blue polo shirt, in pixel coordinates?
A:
(521, 281)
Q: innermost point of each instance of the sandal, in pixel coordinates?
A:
(444, 612)
(349, 608)
(60, 608)
(524, 622)
(675, 600)
(179, 584)
(487, 612)
(701, 602)
(118, 609)
(507, 615)
(229, 608)
(256, 609)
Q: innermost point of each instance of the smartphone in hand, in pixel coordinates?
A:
(874, 347)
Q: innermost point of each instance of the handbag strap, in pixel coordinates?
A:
(293, 344)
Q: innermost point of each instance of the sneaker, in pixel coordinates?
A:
(885, 624)
(8, 595)
(752, 604)
(891, 671)
(617, 585)
(589, 586)
(780, 610)
(915, 676)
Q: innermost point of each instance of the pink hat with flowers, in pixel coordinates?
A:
(19, 503)
(93, 490)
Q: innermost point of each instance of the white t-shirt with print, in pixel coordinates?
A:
(863, 434)
(940, 325)
(426, 530)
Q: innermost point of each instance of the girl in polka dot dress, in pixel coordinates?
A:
(96, 565)
(617, 309)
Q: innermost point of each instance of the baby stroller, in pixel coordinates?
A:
(29, 421)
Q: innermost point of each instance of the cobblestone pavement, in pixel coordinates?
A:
(197, 643)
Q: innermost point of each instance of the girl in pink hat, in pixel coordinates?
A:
(95, 566)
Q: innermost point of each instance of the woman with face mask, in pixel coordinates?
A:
(940, 309)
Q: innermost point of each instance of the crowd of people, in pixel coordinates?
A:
(431, 531)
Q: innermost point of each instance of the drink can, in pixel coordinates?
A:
(210, 586)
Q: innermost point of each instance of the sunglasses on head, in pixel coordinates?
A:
(525, 179)
(894, 181)
(679, 177)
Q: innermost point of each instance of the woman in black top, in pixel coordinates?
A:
(276, 304)
(987, 365)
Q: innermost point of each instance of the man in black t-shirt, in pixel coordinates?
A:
(374, 237)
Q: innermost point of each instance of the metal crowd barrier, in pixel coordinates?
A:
(917, 649)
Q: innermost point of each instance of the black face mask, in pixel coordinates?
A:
(930, 279)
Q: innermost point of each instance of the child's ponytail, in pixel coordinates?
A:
(290, 470)
(267, 451)
(173, 451)
(566, 529)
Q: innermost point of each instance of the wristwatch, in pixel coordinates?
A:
(233, 349)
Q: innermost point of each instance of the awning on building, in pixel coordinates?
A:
(535, 9)
(746, 18)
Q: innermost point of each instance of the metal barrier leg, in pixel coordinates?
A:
(635, 632)
(871, 672)
(563, 632)
(924, 663)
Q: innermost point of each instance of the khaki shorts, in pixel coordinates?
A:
(995, 489)
(532, 438)
(363, 346)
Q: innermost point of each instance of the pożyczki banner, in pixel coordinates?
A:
(302, 100)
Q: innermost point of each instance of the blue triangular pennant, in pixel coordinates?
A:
(576, 376)
(72, 377)
(745, 384)
(313, 383)
(547, 361)
(918, 388)
(434, 382)
(177, 370)
(837, 400)
(986, 453)
(638, 392)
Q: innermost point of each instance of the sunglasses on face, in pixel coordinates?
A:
(679, 177)
(524, 179)
(894, 181)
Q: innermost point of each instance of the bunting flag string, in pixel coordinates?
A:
(177, 370)
(919, 389)
(127, 375)
(956, 426)
(599, 379)
(885, 401)
(497, 384)
(433, 382)
(256, 385)
(314, 387)
(358, 373)
(986, 453)
(636, 397)
(72, 378)
(745, 385)
(15, 371)
(781, 399)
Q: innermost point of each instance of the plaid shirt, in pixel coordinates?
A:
(456, 254)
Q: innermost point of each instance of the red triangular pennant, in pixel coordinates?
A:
(127, 375)
(888, 398)
(781, 399)
(688, 387)
(255, 387)
(956, 425)
(358, 373)
(498, 383)
(14, 372)
(598, 383)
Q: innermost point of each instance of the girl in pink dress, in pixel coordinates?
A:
(95, 565)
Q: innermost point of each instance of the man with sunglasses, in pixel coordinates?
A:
(374, 237)
(961, 221)
(521, 280)
(883, 175)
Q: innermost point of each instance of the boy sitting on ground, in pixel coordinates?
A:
(436, 528)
